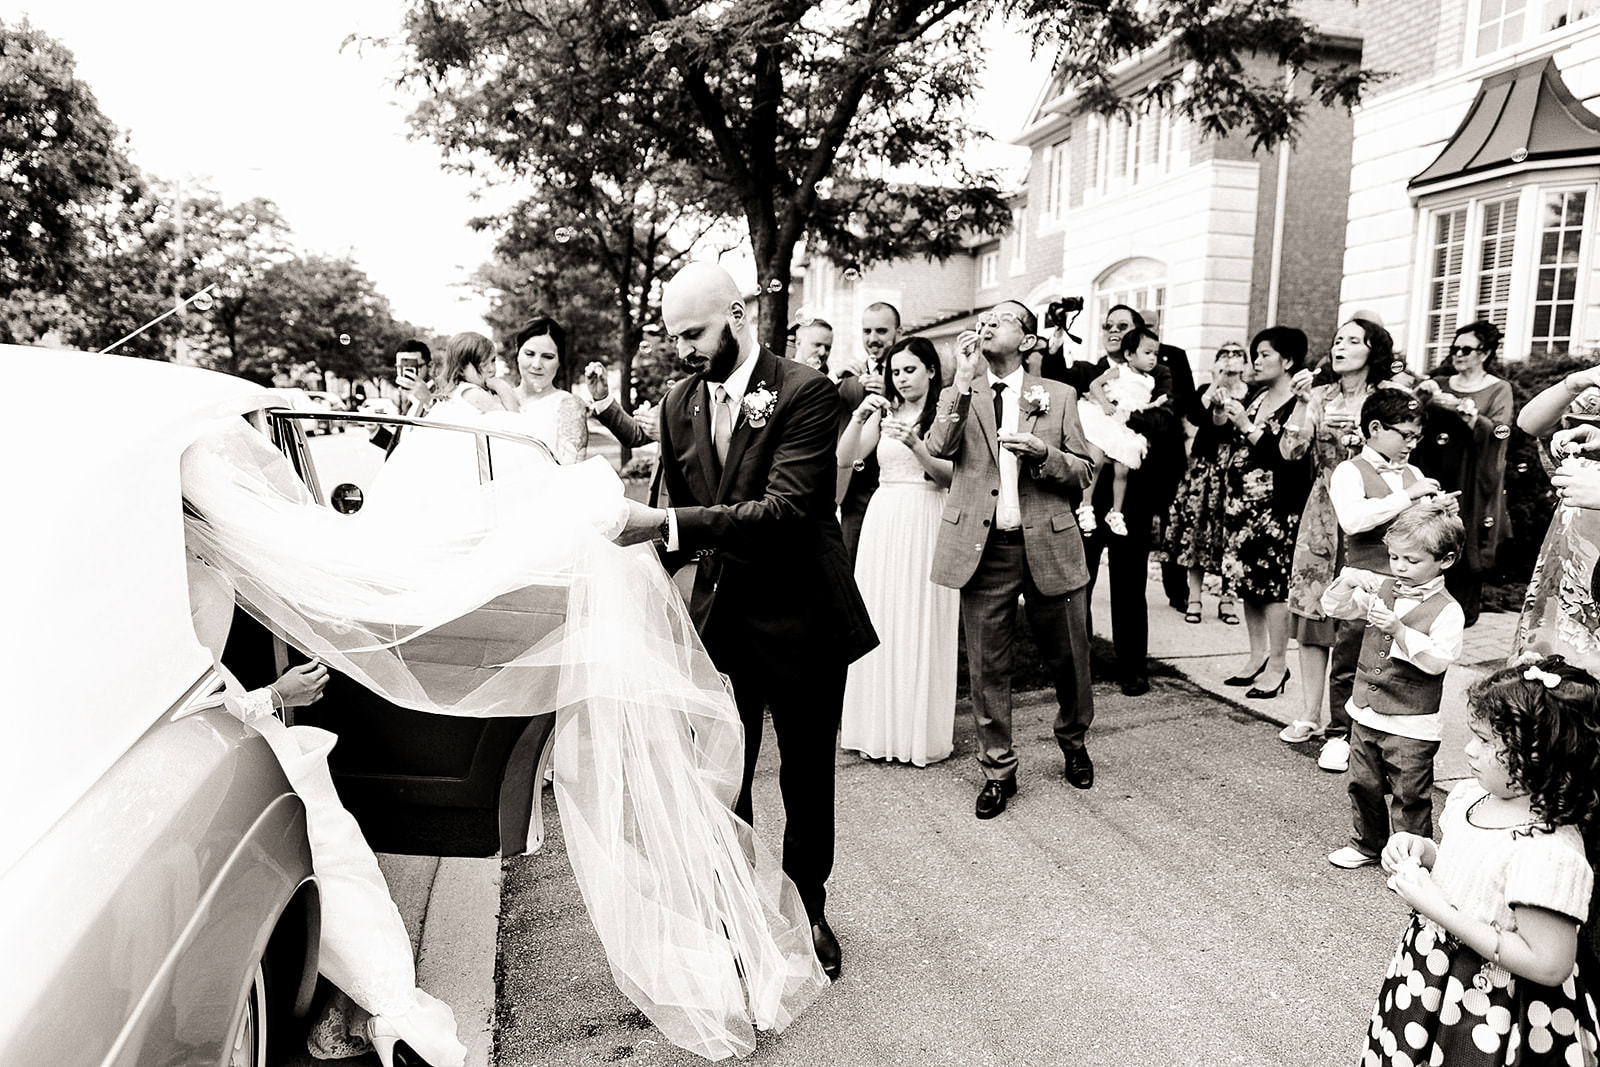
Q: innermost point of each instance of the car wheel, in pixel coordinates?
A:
(249, 1047)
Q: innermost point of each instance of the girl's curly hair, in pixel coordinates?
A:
(1549, 736)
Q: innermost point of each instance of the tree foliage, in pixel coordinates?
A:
(60, 159)
(727, 111)
(91, 249)
(1227, 64)
(841, 122)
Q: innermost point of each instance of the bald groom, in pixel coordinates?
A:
(747, 459)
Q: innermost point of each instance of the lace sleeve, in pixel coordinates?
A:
(572, 431)
(252, 706)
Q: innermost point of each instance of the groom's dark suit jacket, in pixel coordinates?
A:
(774, 580)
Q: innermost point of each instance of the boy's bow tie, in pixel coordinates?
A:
(1390, 468)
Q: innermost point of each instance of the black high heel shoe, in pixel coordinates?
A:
(1246, 679)
(1257, 693)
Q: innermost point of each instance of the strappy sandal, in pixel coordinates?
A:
(1192, 612)
(1225, 612)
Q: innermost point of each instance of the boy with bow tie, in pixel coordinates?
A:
(1412, 633)
(1367, 492)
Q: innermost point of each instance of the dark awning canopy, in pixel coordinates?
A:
(1520, 117)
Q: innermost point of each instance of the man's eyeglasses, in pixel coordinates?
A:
(1410, 437)
(995, 318)
(1463, 350)
(1229, 351)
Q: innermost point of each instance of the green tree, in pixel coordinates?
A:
(319, 310)
(844, 124)
(611, 212)
(60, 161)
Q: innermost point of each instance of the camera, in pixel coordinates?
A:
(1057, 314)
(407, 365)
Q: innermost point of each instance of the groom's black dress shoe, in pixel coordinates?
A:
(992, 797)
(826, 947)
(1080, 768)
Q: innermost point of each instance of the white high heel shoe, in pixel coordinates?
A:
(396, 1049)
(385, 1038)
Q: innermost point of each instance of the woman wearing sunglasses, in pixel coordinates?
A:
(1463, 447)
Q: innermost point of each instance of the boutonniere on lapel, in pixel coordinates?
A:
(1035, 401)
(758, 405)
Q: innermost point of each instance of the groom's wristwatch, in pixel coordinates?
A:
(664, 531)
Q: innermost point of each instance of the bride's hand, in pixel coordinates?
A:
(302, 685)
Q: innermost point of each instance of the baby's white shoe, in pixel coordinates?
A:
(1115, 523)
(1086, 521)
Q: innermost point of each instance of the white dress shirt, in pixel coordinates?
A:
(1431, 652)
(1359, 512)
(1008, 513)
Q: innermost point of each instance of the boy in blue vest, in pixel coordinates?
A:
(1367, 492)
(1413, 632)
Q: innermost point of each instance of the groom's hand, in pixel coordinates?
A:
(643, 524)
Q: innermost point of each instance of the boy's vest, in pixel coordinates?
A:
(1366, 549)
(1393, 687)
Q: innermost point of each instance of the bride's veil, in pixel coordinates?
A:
(703, 931)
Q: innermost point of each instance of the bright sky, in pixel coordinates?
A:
(259, 100)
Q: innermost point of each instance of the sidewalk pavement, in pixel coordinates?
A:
(1207, 653)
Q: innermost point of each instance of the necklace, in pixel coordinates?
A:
(1510, 826)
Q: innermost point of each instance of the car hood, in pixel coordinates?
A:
(96, 633)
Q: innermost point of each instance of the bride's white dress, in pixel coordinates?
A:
(900, 698)
(364, 948)
(703, 931)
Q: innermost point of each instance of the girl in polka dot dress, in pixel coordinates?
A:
(1489, 970)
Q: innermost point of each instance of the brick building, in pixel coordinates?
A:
(1474, 174)
(1212, 239)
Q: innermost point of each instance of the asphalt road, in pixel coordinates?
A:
(1181, 912)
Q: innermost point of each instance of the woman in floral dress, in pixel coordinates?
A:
(1195, 536)
(1263, 494)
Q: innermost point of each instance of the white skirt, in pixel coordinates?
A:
(1111, 435)
(900, 698)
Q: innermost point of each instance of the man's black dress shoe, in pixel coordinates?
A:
(992, 797)
(1135, 687)
(826, 947)
(1080, 768)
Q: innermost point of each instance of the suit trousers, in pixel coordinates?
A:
(805, 719)
(1343, 659)
(1399, 766)
(1060, 626)
(1128, 569)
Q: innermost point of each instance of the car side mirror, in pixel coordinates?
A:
(346, 498)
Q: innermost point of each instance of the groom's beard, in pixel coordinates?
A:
(723, 358)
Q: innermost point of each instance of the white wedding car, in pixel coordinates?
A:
(157, 900)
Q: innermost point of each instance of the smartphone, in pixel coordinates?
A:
(406, 369)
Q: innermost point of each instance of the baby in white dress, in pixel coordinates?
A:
(1126, 386)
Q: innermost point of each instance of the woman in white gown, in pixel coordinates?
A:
(365, 950)
(548, 411)
(899, 701)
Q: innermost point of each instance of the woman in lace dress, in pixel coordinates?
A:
(899, 700)
(549, 412)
